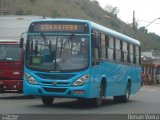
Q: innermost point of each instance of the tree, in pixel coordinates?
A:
(55, 13)
(33, 1)
(95, 2)
(143, 29)
(112, 10)
(19, 12)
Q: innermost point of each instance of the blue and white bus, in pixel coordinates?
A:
(80, 59)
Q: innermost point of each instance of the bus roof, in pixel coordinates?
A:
(97, 27)
(116, 34)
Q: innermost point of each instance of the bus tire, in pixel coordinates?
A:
(47, 100)
(124, 98)
(98, 100)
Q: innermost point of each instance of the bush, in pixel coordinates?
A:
(55, 14)
(28, 12)
(33, 1)
(19, 12)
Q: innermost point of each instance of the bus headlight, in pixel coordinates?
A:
(30, 79)
(81, 81)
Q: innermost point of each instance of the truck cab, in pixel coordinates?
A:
(11, 66)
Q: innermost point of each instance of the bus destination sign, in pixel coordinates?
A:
(59, 27)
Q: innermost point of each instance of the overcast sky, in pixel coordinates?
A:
(145, 12)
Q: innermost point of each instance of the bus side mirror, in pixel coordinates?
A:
(95, 41)
(21, 42)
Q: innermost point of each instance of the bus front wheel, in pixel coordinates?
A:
(98, 100)
(47, 100)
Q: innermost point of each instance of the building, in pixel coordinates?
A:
(12, 26)
(151, 68)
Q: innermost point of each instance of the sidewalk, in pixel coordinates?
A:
(14, 96)
(151, 86)
(10, 95)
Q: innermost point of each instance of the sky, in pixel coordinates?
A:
(145, 12)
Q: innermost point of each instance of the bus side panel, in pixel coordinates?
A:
(135, 79)
(117, 76)
(95, 81)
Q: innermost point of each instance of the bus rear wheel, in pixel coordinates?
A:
(47, 100)
(123, 98)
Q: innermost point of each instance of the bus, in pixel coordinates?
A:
(11, 66)
(80, 59)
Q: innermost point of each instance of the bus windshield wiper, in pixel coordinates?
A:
(69, 39)
(72, 36)
(45, 40)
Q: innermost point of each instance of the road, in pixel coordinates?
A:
(147, 100)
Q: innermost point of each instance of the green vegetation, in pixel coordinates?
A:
(83, 9)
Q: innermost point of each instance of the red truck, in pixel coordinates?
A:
(11, 66)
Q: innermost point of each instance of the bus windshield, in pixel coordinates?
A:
(57, 53)
(10, 52)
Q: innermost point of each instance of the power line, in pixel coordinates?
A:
(147, 21)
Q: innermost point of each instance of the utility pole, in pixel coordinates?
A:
(134, 24)
(0, 6)
(4, 7)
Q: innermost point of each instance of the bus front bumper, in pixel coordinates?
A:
(70, 92)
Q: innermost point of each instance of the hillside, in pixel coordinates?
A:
(84, 9)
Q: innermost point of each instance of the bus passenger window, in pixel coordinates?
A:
(134, 54)
(131, 53)
(106, 45)
(118, 50)
(95, 40)
(137, 55)
(103, 46)
(111, 48)
(95, 49)
(122, 52)
(128, 55)
(125, 52)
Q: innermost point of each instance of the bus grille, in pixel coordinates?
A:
(58, 83)
(56, 76)
(59, 90)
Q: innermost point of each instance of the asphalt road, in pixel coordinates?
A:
(147, 100)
